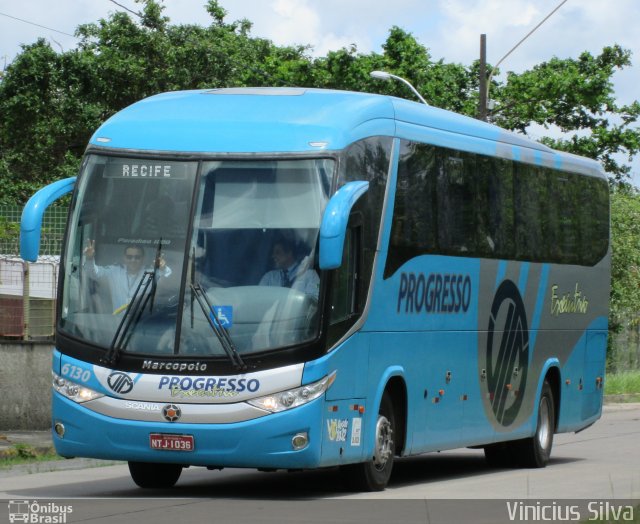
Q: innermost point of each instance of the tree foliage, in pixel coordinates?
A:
(625, 263)
(576, 95)
(51, 102)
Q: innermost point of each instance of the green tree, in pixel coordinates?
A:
(625, 263)
(52, 102)
(624, 315)
(45, 119)
(577, 96)
(449, 86)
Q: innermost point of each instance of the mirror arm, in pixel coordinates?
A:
(334, 223)
(31, 221)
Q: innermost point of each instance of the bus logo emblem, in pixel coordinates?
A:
(171, 412)
(120, 382)
(507, 353)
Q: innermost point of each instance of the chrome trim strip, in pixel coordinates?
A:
(190, 413)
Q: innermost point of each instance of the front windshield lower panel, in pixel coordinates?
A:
(245, 282)
(252, 259)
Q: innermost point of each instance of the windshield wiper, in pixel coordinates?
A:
(212, 318)
(130, 318)
(134, 311)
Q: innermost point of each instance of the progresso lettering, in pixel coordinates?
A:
(435, 293)
(237, 385)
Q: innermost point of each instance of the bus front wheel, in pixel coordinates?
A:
(148, 475)
(374, 474)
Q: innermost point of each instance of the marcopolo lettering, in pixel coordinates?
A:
(434, 293)
(174, 366)
(237, 385)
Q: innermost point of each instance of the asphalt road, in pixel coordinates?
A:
(602, 462)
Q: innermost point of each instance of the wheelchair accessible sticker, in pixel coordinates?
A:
(224, 315)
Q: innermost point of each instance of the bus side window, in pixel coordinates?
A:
(344, 306)
(343, 293)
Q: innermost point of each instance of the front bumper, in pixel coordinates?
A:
(264, 442)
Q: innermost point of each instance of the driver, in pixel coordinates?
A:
(290, 271)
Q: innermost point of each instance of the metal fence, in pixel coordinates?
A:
(53, 226)
(624, 348)
(28, 290)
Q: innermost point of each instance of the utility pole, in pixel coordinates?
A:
(494, 69)
(482, 103)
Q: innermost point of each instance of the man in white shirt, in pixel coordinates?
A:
(290, 272)
(123, 280)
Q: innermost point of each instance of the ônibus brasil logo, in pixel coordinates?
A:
(38, 513)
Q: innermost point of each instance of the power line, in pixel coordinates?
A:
(530, 33)
(494, 68)
(38, 25)
(126, 8)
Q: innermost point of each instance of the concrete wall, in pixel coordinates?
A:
(25, 385)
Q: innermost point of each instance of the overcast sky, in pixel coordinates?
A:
(450, 29)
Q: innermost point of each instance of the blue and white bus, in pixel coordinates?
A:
(446, 286)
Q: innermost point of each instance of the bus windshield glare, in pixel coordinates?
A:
(143, 275)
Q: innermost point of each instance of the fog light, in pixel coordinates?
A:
(300, 441)
(59, 429)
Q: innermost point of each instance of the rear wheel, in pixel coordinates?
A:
(148, 475)
(374, 474)
(534, 452)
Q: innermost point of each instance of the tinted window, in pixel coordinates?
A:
(462, 204)
(367, 160)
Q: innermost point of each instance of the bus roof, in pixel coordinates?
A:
(293, 120)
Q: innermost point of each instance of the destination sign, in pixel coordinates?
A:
(145, 170)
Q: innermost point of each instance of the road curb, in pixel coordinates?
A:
(625, 398)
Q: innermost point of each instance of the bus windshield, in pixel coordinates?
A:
(144, 274)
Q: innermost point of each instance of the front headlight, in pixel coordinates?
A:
(74, 391)
(292, 398)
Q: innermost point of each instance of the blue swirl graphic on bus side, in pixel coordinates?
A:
(507, 353)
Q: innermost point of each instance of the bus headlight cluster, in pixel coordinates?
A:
(74, 391)
(293, 397)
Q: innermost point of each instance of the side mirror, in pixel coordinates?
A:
(31, 221)
(334, 223)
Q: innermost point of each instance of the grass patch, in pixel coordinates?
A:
(624, 383)
(25, 454)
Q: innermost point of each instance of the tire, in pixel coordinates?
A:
(374, 474)
(500, 455)
(534, 452)
(148, 475)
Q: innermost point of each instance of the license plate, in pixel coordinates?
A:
(171, 442)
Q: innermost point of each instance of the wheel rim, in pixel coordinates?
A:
(544, 427)
(384, 443)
